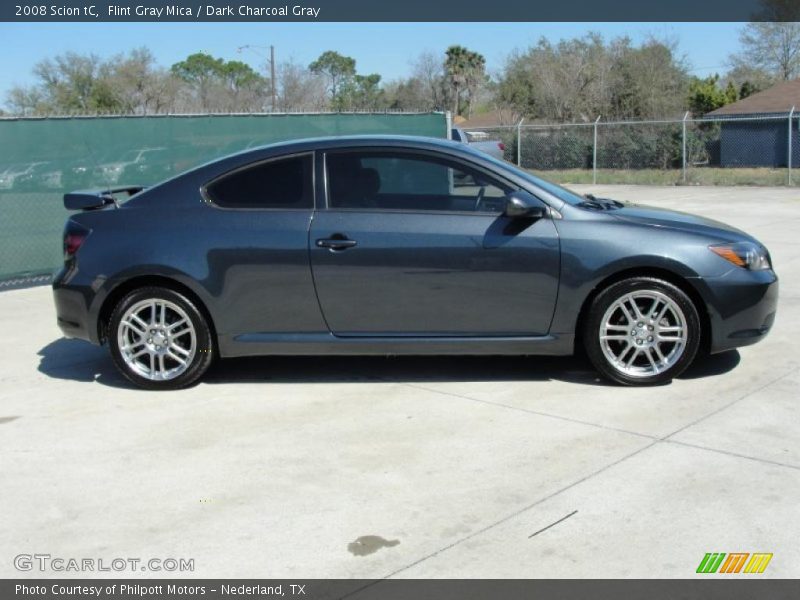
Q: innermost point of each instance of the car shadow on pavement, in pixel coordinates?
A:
(417, 369)
(714, 364)
(76, 360)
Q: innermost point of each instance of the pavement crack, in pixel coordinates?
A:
(529, 411)
(665, 439)
(729, 404)
(553, 524)
(734, 454)
(653, 442)
(520, 511)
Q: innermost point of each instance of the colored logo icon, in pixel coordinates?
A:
(734, 562)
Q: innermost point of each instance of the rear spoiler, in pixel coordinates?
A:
(92, 199)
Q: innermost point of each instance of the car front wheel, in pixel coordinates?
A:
(159, 339)
(642, 331)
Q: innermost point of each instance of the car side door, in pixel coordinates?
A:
(415, 243)
(256, 249)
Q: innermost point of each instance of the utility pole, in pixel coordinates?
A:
(683, 148)
(272, 75)
(594, 152)
(789, 149)
(271, 59)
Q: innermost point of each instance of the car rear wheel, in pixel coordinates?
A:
(642, 331)
(159, 340)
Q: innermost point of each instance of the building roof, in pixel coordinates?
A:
(780, 98)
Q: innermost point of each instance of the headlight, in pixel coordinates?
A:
(744, 254)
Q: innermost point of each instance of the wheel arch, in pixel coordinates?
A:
(140, 281)
(658, 272)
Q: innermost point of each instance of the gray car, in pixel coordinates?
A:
(398, 245)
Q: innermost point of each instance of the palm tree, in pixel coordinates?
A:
(465, 70)
(456, 65)
(475, 75)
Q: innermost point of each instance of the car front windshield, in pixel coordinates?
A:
(556, 190)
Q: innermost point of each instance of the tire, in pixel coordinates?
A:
(642, 331)
(165, 348)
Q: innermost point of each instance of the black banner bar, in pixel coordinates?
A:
(408, 10)
(733, 588)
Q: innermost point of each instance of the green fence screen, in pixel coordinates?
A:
(40, 159)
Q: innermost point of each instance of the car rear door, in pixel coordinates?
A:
(256, 248)
(414, 243)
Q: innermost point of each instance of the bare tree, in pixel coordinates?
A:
(748, 80)
(76, 82)
(578, 79)
(428, 70)
(141, 86)
(405, 94)
(26, 101)
(299, 89)
(770, 47)
(131, 83)
(651, 81)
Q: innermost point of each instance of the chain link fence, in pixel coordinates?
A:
(42, 158)
(734, 150)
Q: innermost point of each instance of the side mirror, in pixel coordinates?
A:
(521, 205)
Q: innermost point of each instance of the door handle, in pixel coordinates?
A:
(336, 243)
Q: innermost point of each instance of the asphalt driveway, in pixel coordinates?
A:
(411, 467)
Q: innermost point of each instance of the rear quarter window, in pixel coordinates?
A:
(280, 183)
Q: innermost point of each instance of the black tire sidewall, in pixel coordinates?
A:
(205, 347)
(605, 298)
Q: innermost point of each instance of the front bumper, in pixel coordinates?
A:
(741, 305)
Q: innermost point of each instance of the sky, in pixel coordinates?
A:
(385, 48)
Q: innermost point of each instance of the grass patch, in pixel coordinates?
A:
(694, 176)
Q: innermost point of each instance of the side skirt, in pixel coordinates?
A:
(291, 344)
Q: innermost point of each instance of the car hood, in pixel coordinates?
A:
(662, 217)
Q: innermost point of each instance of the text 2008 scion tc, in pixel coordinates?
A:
(394, 245)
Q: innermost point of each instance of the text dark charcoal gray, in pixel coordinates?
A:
(410, 10)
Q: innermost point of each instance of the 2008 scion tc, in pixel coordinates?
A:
(399, 245)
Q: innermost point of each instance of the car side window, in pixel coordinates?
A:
(281, 183)
(392, 180)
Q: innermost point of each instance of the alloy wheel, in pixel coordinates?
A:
(643, 333)
(156, 339)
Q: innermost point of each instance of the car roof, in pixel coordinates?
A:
(328, 142)
(206, 172)
(250, 155)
